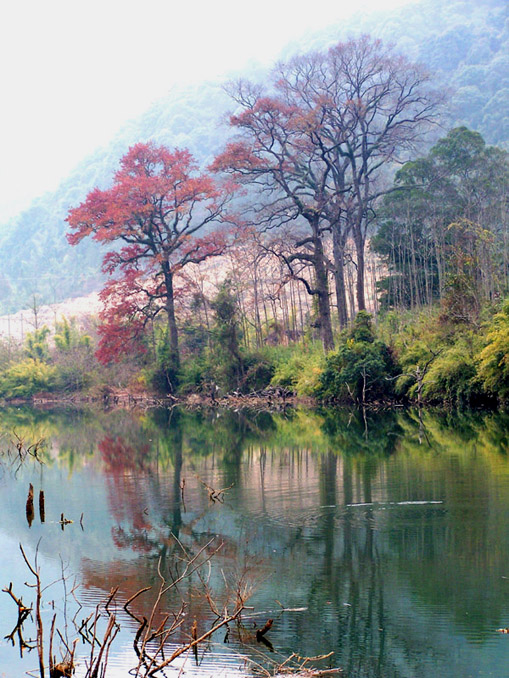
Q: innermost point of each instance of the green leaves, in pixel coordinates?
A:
(36, 344)
(440, 229)
(26, 378)
(361, 369)
(494, 358)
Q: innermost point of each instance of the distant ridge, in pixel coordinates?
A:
(465, 43)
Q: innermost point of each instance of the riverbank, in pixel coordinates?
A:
(414, 358)
(270, 400)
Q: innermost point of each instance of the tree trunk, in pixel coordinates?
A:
(172, 323)
(322, 287)
(359, 248)
(339, 277)
(257, 318)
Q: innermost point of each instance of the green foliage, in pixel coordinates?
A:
(494, 358)
(68, 336)
(452, 377)
(437, 360)
(36, 344)
(227, 358)
(72, 357)
(195, 374)
(471, 256)
(161, 372)
(26, 378)
(258, 370)
(414, 357)
(299, 367)
(439, 230)
(362, 329)
(361, 369)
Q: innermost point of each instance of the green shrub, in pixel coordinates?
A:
(162, 373)
(258, 371)
(36, 344)
(452, 376)
(362, 367)
(25, 378)
(208, 370)
(494, 358)
(359, 371)
(195, 373)
(299, 368)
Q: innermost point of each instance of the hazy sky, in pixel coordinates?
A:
(73, 71)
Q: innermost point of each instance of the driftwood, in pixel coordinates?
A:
(261, 632)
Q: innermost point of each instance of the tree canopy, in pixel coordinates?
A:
(156, 214)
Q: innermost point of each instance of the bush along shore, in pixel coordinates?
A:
(407, 357)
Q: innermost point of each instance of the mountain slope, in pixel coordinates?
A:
(464, 43)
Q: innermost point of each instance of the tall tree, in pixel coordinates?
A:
(446, 219)
(316, 143)
(275, 156)
(158, 203)
(366, 107)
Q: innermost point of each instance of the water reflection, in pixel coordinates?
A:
(389, 529)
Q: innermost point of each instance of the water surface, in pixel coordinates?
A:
(384, 536)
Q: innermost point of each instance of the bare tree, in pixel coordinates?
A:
(366, 108)
(275, 156)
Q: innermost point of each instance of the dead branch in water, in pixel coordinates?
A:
(24, 451)
(261, 632)
(42, 508)
(38, 598)
(215, 495)
(23, 614)
(150, 661)
(96, 667)
(159, 627)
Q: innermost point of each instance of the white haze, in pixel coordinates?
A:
(73, 72)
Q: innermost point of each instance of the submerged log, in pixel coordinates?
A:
(261, 632)
(30, 505)
(42, 510)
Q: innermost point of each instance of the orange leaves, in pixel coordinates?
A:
(237, 155)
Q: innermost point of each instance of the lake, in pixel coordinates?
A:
(382, 538)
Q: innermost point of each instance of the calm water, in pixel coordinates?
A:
(386, 536)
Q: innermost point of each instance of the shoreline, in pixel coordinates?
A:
(270, 400)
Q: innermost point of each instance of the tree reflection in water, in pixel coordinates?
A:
(318, 516)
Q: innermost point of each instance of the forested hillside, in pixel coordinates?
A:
(464, 44)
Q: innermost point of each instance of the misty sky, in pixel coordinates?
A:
(73, 72)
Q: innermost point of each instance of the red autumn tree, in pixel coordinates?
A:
(158, 203)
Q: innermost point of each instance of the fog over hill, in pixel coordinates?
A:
(465, 44)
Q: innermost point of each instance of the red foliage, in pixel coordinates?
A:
(155, 207)
(120, 457)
